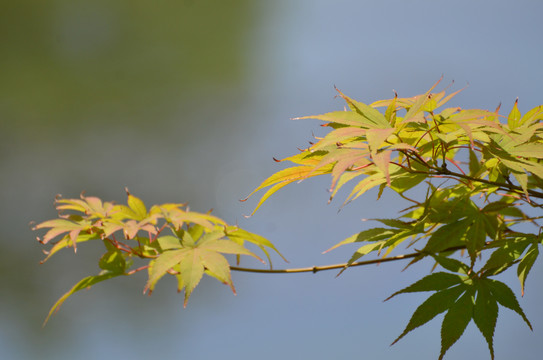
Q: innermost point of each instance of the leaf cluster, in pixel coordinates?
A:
(481, 170)
(169, 238)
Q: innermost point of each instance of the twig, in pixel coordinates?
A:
(315, 269)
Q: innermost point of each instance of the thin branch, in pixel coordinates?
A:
(315, 269)
(441, 171)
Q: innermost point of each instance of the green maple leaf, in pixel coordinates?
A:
(190, 262)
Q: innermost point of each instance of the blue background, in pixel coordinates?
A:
(189, 101)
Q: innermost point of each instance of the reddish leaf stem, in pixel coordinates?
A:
(138, 269)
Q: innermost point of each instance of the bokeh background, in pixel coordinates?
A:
(188, 100)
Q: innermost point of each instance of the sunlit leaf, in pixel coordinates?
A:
(192, 270)
(61, 226)
(367, 184)
(83, 284)
(287, 176)
(504, 257)
(369, 113)
(162, 264)
(532, 116)
(390, 113)
(169, 242)
(375, 234)
(217, 266)
(376, 137)
(531, 150)
(341, 135)
(350, 118)
(419, 103)
(235, 233)
(526, 264)
(67, 242)
(382, 161)
(513, 120)
(137, 206)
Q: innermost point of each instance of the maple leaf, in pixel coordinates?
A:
(191, 259)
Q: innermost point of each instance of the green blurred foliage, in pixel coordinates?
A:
(70, 66)
(67, 61)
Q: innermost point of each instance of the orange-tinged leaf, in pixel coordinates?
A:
(61, 226)
(365, 185)
(339, 136)
(446, 99)
(467, 130)
(382, 161)
(355, 160)
(376, 137)
(348, 157)
(66, 241)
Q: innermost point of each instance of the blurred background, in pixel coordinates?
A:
(189, 101)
